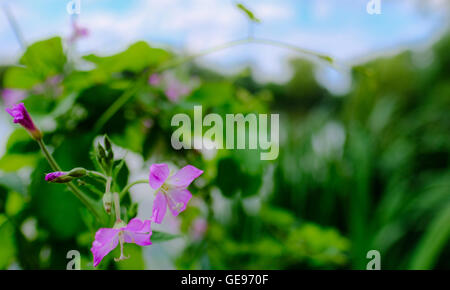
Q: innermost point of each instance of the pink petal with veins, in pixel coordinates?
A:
(158, 174)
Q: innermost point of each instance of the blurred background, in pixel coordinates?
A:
(364, 140)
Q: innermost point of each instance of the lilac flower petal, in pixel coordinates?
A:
(154, 79)
(105, 241)
(141, 239)
(177, 200)
(82, 31)
(158, 174)
(172, 94)
(138, 232)
(139, 226)
(54, 80)
(185, 176)
(159, 208)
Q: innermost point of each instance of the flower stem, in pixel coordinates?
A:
(79, 194)
(127, 188)
(97, 175)
(117, 207)
(15, 27)
(115, 107)
(108, 184)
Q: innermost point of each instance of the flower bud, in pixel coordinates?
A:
(109, 151)
(107, 202)
(58, 177)
(78, 172)
(65, 177)
(101, 151)
(22, 117)
(107, 142)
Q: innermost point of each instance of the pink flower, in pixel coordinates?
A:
(77, 32)
(21, 116)
(107, 239)
(13, 96)
(171, 190)
(52, 86)
(199, 228)
(175, 90)
(154, 79)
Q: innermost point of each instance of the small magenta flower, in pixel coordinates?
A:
(171, 190)
(54, 176)
(107, 239)
(13, 96)
(154, 79)
(64, 177)
(22, 117)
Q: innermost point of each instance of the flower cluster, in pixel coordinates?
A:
(173, 88)
(170, 192)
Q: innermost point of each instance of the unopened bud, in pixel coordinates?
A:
(107, 143)
(107, 202)
(58, 177)
(101, 151)
(77, 172)
(109, 152)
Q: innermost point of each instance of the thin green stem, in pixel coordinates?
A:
(53, 164)
(97, 175)
(79, 194)
(108, 184)
(185, 59)
(127, 188)
(291, 47)
(116, 106)
(15, 27)
(116, 199)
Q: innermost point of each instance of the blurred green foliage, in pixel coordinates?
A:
(367, 170)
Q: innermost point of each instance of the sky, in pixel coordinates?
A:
(342, 29)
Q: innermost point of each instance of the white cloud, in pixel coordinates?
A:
(196, 25)
(270, 12)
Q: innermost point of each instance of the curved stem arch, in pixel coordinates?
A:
(131, 91)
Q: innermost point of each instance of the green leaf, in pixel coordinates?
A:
(433, 242)
(12, 181)
(135, 260)
(20, 78)
(121, 174)
(20, 142)
(132, 138)
(14, 162)
(137, 57)
(229, 177)
(57, 209)
(247, 12)
(7, 243)
(158, 237)
(223, 92)
(14, 204)
(44, 58)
